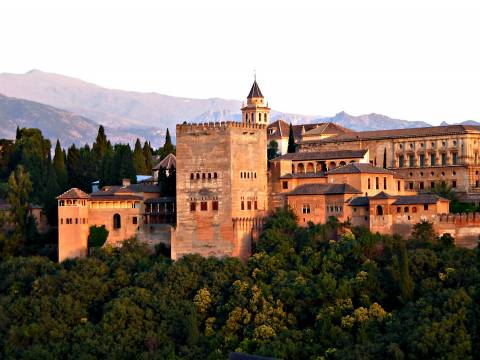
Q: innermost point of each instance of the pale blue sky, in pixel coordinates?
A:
(399, 58)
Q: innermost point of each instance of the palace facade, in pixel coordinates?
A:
(225, 186)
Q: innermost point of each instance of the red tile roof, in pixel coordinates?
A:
(323, 189)
(357, 168)
(323, 155)
(73, 193)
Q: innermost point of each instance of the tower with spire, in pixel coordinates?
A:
(255, 111)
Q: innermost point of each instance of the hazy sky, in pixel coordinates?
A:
(398, 58)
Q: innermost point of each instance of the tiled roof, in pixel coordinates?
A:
(169, 161)
(255, 91)
(132, 188)
(323, 155)
(164, 199)
(304, 175)
(357, 168)
(418, 199)
(282, 129)
(403, 133)
(359, 201)
(382, 195)
(115, 197)
(73, 193)
(323, 189)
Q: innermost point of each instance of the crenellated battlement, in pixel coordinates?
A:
(213, 126)
(461, 219)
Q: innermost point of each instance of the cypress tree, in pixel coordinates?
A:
(122, 164)
(99, 149)
(406, 283)
(168, 147)
(73, 167)
(59, 166)
(139, 159)
(147, 154)
(291, 140)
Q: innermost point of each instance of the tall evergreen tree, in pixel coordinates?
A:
(139, 159)
(291, 140)
(147, 154)
(168, 147)
(74, 167)
(99, 149)
(122, 164)
(406, 283)
(60, 167)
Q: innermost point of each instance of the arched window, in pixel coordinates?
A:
(215, 175)
(332, 165)
(368, 183)
(300, 168)
(198, 176)
(241, 175)
(405, 209)
(293, 169)
(117, 221)
(260, 117)
(192, 176)
(379, 210)
(209, 175)
(246, 117)
(414, 209)
(310, 168)
(343, 163)
(203, 175)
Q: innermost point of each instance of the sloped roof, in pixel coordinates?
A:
(255, 91)
(132, 188)
(382, 195)
(357, 168)
(169, 161)
(323, 189)
(418, 199)
(402, 133)
(359, 201)
(73, 193)
(327, 128)
(283, 128)
(323, 155)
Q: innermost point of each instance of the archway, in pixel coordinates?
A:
(310, 168)
(332, 165)
(300, 168)
(117, 221)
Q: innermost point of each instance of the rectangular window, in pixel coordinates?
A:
(249, 205)
(432, 184)
(410, 185)
(193, 206)
(306, 209)
(377, 185)
(399, 209)
(422, 160)
(401, 160)
(411, 161)
(203, 206)
(421, 185)
(255, 205)
(134, 220)
(454, 158)
(444, 159)
(454, 183)
(398, 185)
(76, 220)
(432, 159)
(61, 221)
(368, 183)
(476, 183)
(425, 207)
(215, 205)
(384, 183)
(242, 205)
(285, 185)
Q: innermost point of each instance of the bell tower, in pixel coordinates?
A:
(255, 111)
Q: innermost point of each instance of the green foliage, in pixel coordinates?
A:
(147, 154)
(292, 147)
(168, 147)
(272, 150)
(97, 237)
(314, 292)
(60, 167)
(139, 161)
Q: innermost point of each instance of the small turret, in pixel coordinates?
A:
(255, 112)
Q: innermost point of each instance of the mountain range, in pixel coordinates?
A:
(71, 109)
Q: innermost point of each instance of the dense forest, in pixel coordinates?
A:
(316, 292)
(29, 175)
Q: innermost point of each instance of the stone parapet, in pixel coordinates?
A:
(187, 128)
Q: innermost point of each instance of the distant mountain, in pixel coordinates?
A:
(129, 109)
(370, 122)
(466, 122)
(58, 124)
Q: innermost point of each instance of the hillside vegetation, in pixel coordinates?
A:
(301, 295)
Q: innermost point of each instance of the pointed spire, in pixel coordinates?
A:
(255, 91)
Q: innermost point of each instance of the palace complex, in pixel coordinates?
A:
(225, 186)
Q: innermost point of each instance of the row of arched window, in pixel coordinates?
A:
(73, 202)
(203, 176)
(248, 175)
(72, 221)
(250, 118)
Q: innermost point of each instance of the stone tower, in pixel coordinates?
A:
(255, 112)
(222, 184)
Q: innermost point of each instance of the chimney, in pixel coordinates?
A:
(125, 182)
